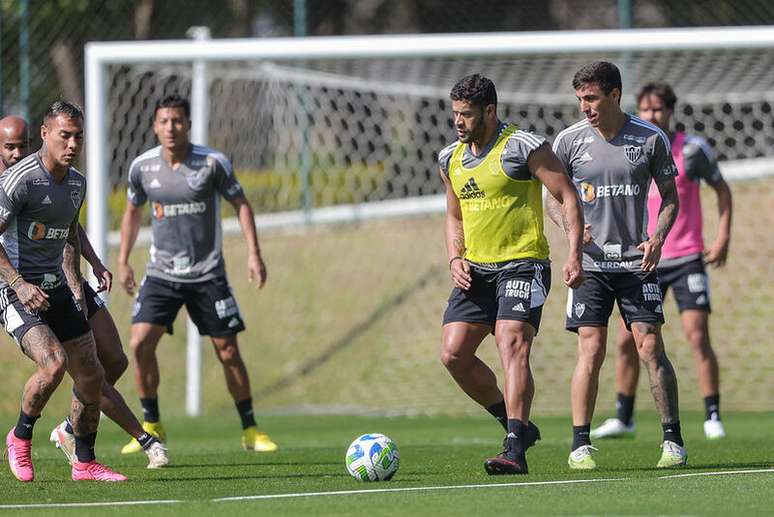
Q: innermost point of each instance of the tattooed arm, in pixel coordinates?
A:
(455, 238)
(666, 218)
(71, 263)
(31, 296)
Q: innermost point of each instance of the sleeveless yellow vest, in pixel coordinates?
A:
(502, 217)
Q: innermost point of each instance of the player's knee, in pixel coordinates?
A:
(229, 354)
(452, 359)
(514, 346)
(54, 370)
(592, 354)
(698, 340)
(115, 368)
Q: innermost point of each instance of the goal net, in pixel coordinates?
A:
(312, 131)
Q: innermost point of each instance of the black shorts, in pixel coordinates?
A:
(637, 293)
(93, 300)
(211, 305)
(515, 293)
(63, 317)
(690, 284)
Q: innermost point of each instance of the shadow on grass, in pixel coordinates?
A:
(696, 466)
(347, 339)
(256, 464)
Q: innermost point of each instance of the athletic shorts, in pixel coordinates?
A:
(93, 300)
(637, 293)
(210, 304)
(690, 284)
(514, 293)
(63, 317)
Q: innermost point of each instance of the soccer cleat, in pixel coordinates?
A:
(613, 428)
(93, 471)
(64, 441)
(509, 461)
(713, 430)
(157, 455)
(672, 455)
(253, 440)
(153, 428)
(581, 459)
(19, 457)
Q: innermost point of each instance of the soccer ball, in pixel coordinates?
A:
(372, 457)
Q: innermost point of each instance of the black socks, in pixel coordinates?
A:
(712, 407)
(498, 411)
(84, 447)
(24, 425)
(580, 435)
(624, 408)
(672, 433)
(150, 409)
(245, 410)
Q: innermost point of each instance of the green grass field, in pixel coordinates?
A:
(441, 471)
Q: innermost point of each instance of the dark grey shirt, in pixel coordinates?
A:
(185, 211)
(612, 178)
(39, 211)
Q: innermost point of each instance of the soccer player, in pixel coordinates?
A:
(183, 183)
(612, 158)
(681, 266)
(14, 140)
(498, 257)
(40, 198)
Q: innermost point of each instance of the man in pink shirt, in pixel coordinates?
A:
(681, 266)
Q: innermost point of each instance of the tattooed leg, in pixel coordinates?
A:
(88, 376)
(40, 345)
(663, 382)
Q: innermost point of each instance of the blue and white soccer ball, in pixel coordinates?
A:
(372, 457)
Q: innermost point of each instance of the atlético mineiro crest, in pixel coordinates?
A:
(580, 308)
(633, 152)
(75, 197)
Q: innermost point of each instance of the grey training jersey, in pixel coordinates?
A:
(699, 161)
(612, 178)
(38, 211)
(514, 158)
(185, 211)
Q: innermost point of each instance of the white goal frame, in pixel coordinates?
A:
(99, 55)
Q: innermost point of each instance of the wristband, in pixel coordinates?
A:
(453, 259)
(14, 280)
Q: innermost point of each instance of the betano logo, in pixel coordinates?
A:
(589, 192)
(161, 211)
(39, 232)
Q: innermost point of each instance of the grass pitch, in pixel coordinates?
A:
(441, 471)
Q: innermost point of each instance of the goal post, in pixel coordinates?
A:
(529, 68)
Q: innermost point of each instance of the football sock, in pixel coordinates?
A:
(672, 433)
(580, 435)
(498, 411)
(146, 439)
(245, 410)
(624, 407)
(712, 407)
(150, 409)
(69, 425)
(24, 426)
(516, 428)
(84, 447)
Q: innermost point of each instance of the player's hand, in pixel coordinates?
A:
(717, 254)
(651, 254)
(587, 238)
(573, 273)
(256, 270)
(104, 276)
(32, 297)
(460, 273)
(126, 278)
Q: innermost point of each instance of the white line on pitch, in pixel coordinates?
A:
(412, 489)
(79, 505)
(719, 473)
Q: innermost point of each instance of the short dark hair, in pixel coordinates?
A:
(174, 100)
(602, 73)
(661, 90)
(63, 107)
(476, 89)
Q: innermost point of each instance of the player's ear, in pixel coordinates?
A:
(615, 93)
(43, 132)
(490, 110)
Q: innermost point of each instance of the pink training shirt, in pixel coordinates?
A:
(694, 160)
